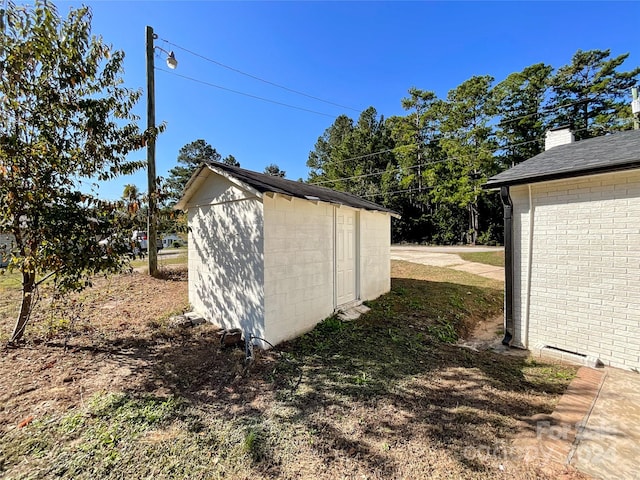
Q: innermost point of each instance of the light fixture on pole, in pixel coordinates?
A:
(152, 220)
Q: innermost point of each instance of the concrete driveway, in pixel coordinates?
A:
(448, 257)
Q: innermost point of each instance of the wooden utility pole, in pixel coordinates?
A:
(152, 233)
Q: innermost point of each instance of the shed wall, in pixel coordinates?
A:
(226, 255)
(584, 269)
(375, 261)
(299, 256)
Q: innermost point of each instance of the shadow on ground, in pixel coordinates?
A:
(382, 397)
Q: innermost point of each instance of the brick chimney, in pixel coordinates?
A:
(558, 136)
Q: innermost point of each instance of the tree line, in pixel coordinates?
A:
(429, 165)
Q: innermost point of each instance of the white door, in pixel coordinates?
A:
(345, 256)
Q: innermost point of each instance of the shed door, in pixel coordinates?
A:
(345, 256)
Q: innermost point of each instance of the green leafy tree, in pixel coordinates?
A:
(594, 93)
(64, 117)
(327, 161)
(353, 157)
(231, 160)
(274, 171)
(190, 157)
(522, 107)
(416, 138)
(468, 143)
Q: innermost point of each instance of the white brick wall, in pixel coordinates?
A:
(226, 256)
(375, 265)
(298, 248)
(299, 263)
(585, 266)
(267, 265)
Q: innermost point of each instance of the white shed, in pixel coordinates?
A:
(274, 257)
(572, 249)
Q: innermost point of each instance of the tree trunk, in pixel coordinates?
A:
(473, 223)
(28, 283)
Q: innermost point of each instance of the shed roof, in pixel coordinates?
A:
(609, 153)
(263, 183)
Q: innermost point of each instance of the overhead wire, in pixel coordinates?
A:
(255, 77)
(434, 162)
(545, 110)
(275, 102)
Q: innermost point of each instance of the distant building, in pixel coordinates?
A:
(7, 243)
(169, 240)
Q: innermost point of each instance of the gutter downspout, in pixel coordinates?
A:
(525, 326)
(508, 266)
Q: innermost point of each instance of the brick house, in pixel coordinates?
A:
(572, 249)
(274, 257)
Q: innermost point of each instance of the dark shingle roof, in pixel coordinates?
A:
(269, 183)
(609, 153)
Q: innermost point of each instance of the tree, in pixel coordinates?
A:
(592, 95)
(416, 138)
(468, 145)
(274, 171)
(64, 117)
(231, 160)
(523, 111)
(353, 157)
(190, 157)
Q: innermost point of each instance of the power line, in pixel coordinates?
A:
(408, 190)
(297, 92)
(373, 154)
(245, 94)
(545, 110)
(435, 162)
(364, 175)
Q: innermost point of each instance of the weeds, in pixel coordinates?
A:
(444, 331)
(384, 396)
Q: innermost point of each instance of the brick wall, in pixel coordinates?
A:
(298, 273)
(226, 256)
(585, 266)
(299, 263)
(375, 266)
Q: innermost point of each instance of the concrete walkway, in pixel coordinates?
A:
(608, 446)
(595, 427)
(448, 257)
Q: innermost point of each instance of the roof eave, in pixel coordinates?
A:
(562, 175)
(197, 179)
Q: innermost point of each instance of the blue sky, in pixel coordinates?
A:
(356, 54)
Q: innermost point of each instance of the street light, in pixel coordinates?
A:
(152, 220)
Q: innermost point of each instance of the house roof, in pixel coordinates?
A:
(263, 183)
(609, 153)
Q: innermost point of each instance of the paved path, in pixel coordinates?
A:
(609, 445)
(448, 257)
(595, 427)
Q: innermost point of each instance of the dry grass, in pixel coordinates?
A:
(383, 397)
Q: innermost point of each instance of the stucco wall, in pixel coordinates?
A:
(375, 264)
(226, 251)
(585, 266)
(298, 249)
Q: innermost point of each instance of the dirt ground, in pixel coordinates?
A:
(117, 337)
(94, 342)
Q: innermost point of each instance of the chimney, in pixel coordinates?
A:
(558, 136)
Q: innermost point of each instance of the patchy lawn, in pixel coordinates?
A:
(495, 258)
(386, 396)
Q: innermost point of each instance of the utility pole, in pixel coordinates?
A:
(152, 234)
